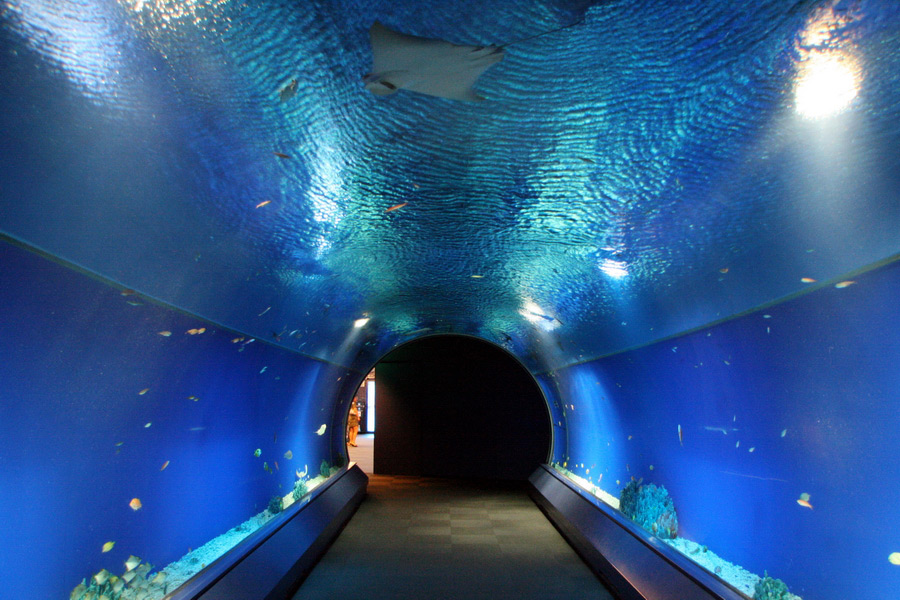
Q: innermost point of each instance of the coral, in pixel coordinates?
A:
(768, 588)
(300, 489)
(276, 505)
(651, 507)
(325, 469)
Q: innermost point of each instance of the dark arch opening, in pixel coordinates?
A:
(459, 407)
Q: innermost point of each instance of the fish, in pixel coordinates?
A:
(783, 432)
(148, 424)
(159, 579)
(262, 313)
(263, 203)
(752, 449)
(108, 546)
(101, 577)
(132, 562)
(680, 435)
(263, 370)
(396, 207)
(723, 270)
(165, 464)
(165, 333)
(281, 155)
(289, 455)
(844, 284)
(302, 474)
(266, 467)
(237, 339)
(78, 592)
(805, 503)
(630, 436)
(196, 428)
(589, 161)
(288, 91)
(276, 465)
(477, 276)
(807, 280)
(722, 429)
(321, 430)
(737, 444)
(128, 576)
(135, 504)
(134, 302)
(894, 558)
(194, 398)
(128, 292)
(651, 467)
(257, 453)
(143, 391)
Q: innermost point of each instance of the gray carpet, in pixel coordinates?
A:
(438, 539)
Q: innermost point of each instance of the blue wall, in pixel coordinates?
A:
(75, 357)
(822, 366)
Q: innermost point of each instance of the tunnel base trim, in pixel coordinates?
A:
(274, 562)
(634, 564)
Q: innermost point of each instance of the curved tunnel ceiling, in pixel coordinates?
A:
(648, 169)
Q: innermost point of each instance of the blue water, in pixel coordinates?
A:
(645, 172)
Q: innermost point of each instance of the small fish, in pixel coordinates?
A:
(894, 558)
(477, 276)
(805, 503)
(135, 504)
(630, 436)
(165, 464)
(288, 91)
(196, 428)
(196, 331)
(396, 207)
(263, 203)
(101, 577)
(281, 155)
(266, 467)
(257, 452)
(289, 455)
(302, 474)
(589, 161)
(752, 449)
(128, 292)
(263, 370)
(262, 313)
(767, 316)
(680, 435)
(165, 333)
(321, 430)
(237, 339)
(783, 432)
(726, 362)
(844, 284)
(148, 425)
(723, 270)
(143, 391)
(108, 546)
(134, 302)
(132, 562)
(737, 444)
(119, 444)
(807, 280)
(618, 482)
(194, 398)
(159, 579)
(276, 465)
(651, 467)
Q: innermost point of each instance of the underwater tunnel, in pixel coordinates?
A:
(636, 260)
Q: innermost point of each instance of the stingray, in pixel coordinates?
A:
(427, 66)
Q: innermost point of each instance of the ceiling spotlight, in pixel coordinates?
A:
(361, 322)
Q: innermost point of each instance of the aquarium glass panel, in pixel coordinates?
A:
(773, 435)
(131, 429)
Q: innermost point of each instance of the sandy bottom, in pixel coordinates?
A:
(177, 573)
(735, 575)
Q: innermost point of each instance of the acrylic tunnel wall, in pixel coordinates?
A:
(129, 428)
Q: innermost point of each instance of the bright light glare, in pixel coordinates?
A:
(537, 315)
(359, 323)
(826, 85)
(614, 268)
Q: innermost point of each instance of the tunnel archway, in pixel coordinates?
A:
(460, 407)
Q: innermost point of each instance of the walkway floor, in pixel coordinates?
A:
(434, 539)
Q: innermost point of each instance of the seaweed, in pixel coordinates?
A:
(768, 588)
(276, 505)
(651, 507)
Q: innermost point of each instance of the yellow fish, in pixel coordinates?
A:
(321, 430)
(108, 546)
(143, 391)
(844, 284)
(807, 280)
(237, 339)
(894, 558)
(135, 504)
(165, 333)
